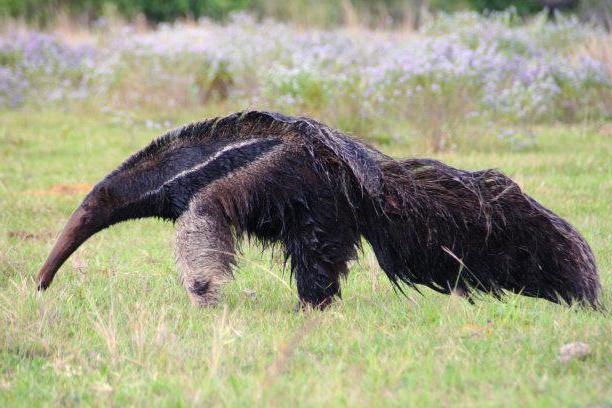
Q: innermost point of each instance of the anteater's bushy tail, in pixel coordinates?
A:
(453, 229)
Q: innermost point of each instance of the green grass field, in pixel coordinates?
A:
(116, 327)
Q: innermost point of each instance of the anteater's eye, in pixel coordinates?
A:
(105, 193)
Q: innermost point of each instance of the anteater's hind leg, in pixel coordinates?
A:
(318, 282)
(319, 254)
(204, 253)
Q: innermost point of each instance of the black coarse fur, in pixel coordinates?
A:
(315, 191)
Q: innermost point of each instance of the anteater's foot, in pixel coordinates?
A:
(304, 305)
(203, 294)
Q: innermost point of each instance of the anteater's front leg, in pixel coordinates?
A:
(204, 253)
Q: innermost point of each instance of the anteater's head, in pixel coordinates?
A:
(124, 194)
(92, 216)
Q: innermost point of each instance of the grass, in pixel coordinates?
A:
(116, 327)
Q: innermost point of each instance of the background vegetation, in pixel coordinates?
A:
(454, 78)
(321, 12)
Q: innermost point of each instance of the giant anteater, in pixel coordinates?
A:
(296, 182)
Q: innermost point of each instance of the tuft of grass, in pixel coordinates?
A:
(116, 328)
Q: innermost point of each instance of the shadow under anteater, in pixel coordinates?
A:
(296, 182)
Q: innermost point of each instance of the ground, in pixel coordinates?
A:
(116, 327)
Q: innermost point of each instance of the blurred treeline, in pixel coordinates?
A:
(309, 12)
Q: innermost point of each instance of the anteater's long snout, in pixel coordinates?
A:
(82, 224)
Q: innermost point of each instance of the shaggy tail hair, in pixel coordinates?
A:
(493, 236)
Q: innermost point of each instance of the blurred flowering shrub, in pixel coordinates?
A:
(455, 69)
(37, 67)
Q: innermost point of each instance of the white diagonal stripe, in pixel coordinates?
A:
(204, 164)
